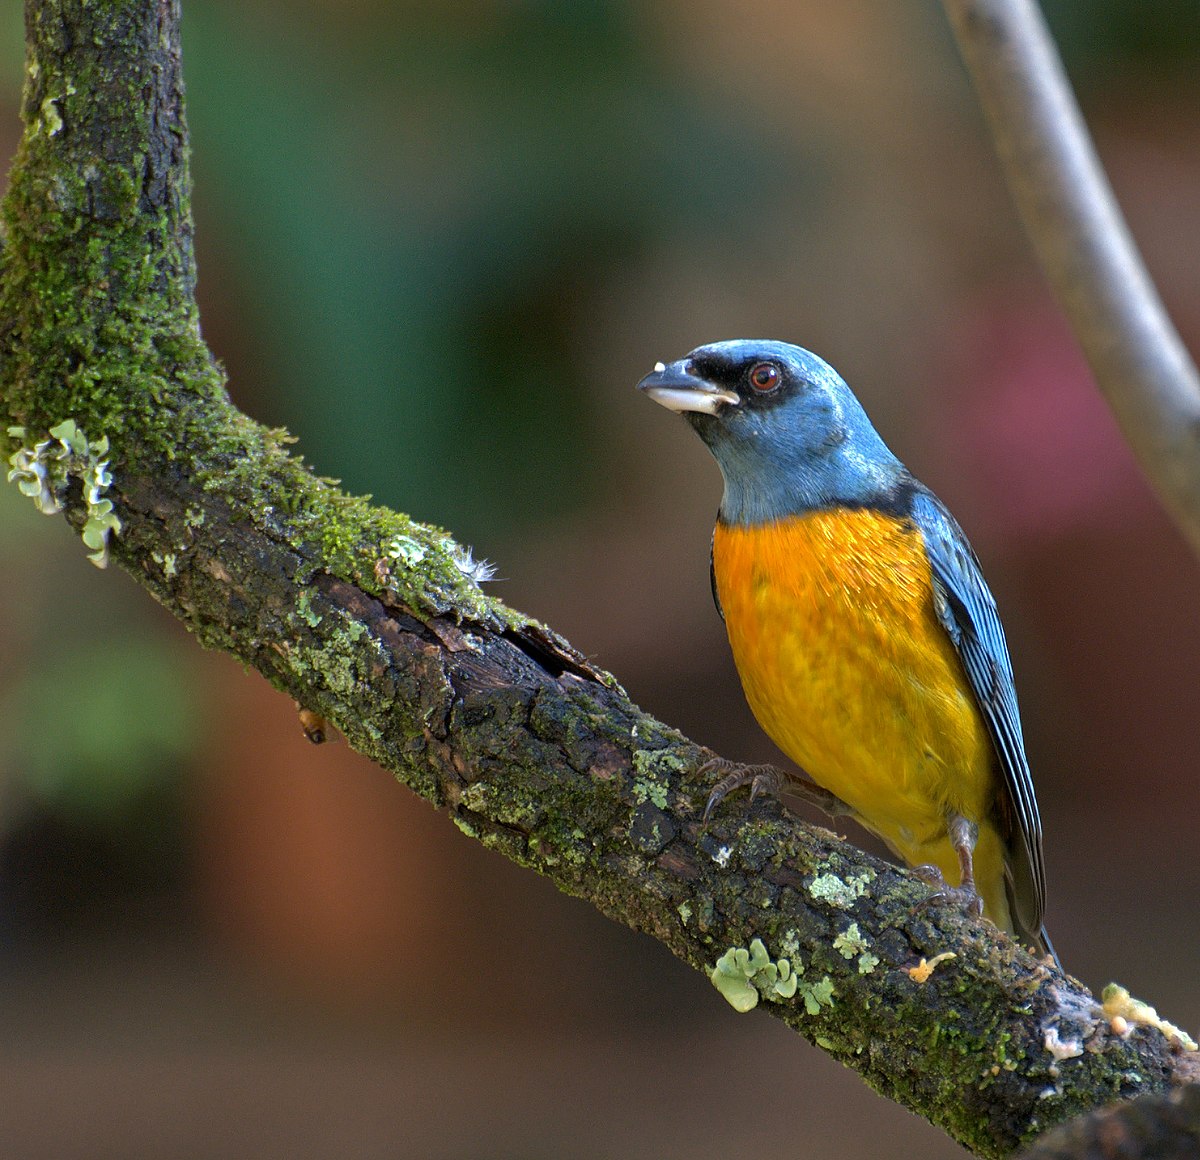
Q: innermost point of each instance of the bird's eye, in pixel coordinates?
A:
(764, 376)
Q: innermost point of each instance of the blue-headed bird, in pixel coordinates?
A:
(866, 639)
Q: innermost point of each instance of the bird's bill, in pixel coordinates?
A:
(673, 387)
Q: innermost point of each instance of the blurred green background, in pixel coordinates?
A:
(441, 243)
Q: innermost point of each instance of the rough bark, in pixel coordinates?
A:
(373, 621)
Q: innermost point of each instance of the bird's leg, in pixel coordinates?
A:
(963, 836)
(771, 781)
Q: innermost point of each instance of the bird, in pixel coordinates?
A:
(867, 641)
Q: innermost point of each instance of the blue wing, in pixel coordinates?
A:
(967, 611)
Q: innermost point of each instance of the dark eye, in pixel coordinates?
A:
(764, 376)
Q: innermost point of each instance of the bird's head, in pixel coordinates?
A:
(787, 432)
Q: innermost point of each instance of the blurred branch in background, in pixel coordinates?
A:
(1083, 244)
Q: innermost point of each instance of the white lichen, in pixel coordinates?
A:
(1060, 1048)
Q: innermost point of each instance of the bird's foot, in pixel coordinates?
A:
(767, 779)
(965, 897)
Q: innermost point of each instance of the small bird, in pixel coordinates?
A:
(866, 639)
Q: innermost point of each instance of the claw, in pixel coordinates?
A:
(965, 897)
(766, 779)
(760, 778)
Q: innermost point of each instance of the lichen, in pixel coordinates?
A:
(44, 470)
(652, 770)
(744, 974)
(838, 892)
(305, 610)
(1060, 1048)
(51, 120)
(406, 550)
(658, 765)
(850, 942)
(1120, 1004)
(817, 995)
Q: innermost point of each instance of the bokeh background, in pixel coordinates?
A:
(441, 243)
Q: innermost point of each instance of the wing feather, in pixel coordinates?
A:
(967, 611)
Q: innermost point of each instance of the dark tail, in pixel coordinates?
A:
(1041, 944)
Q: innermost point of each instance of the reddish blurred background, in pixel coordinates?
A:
(441, 244)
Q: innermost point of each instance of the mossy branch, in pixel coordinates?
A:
(377, 623)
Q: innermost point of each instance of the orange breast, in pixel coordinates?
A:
(833, 629)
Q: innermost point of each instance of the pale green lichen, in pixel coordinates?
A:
(685, 912)
(649, 790)
(51, 120)
(406, 550)
(817, 995)
(650, 784)
(867, 962)
(838, 892)
(482, 798)
(850, 942)
(43, 471)
(743, 974)
(305, 609)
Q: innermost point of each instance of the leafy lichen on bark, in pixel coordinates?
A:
(371, 619)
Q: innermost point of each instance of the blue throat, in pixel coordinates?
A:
(817, 451)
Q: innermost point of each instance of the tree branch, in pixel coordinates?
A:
(376, 623)
(1084, 246)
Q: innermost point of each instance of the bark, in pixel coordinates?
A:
(374, 622)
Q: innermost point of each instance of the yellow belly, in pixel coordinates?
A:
(844, 663)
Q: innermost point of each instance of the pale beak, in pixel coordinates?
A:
(677, 389)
